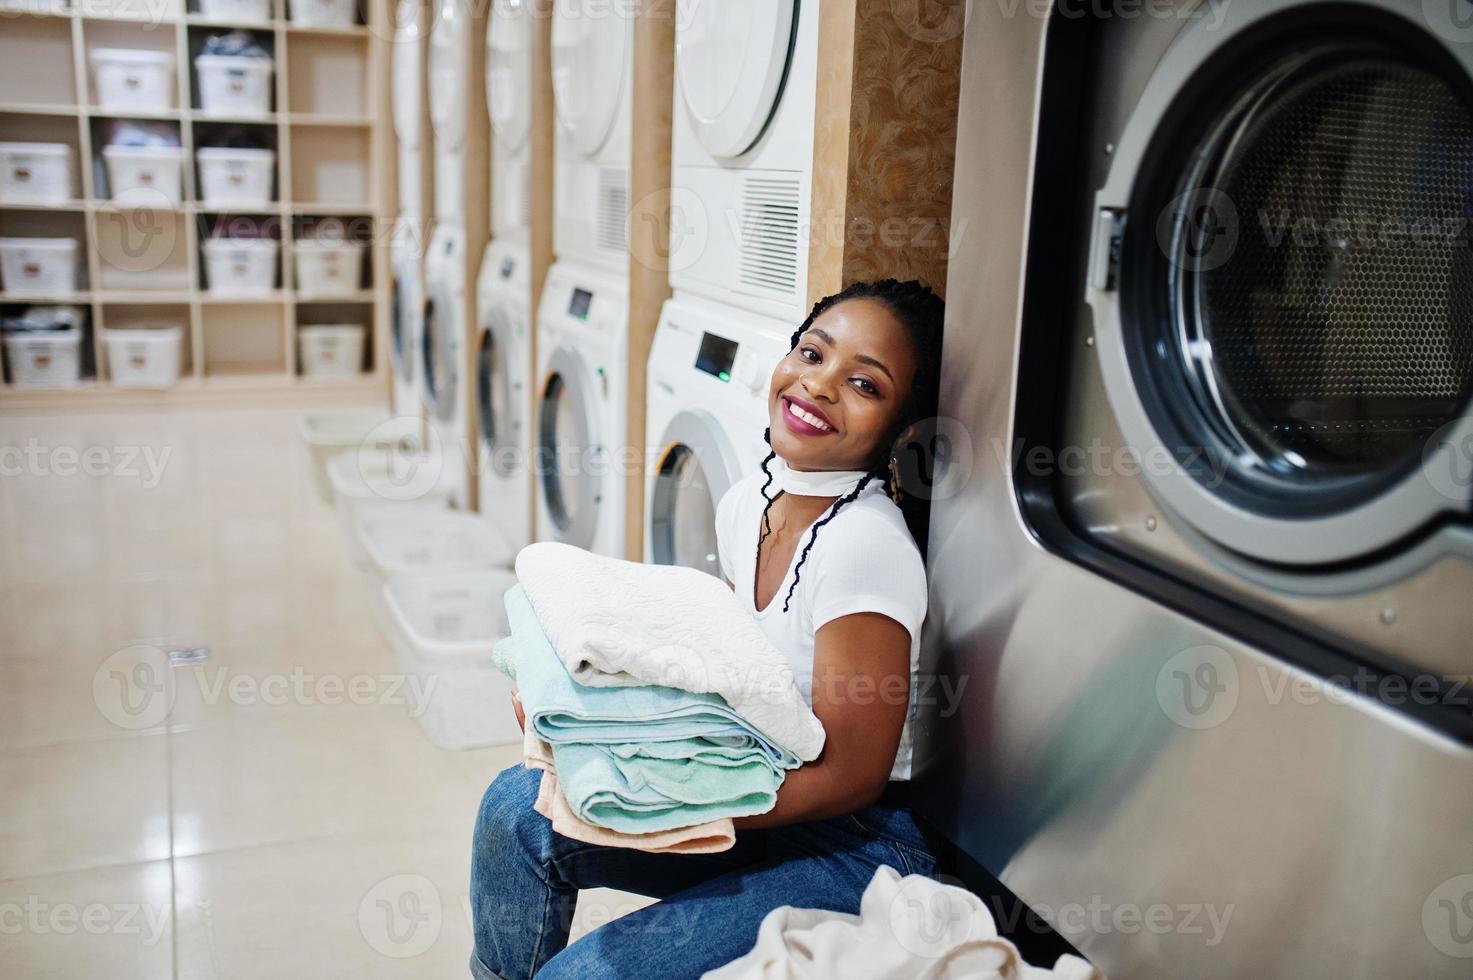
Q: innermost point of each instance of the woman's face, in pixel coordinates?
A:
(835, 398)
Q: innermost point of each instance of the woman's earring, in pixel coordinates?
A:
(894, 481)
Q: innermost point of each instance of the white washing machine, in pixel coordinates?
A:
(581, 456)
(447, 72)
(592, 69)
(509, 38)
(503, 390)
(408, 95)
(406, 314)
(705, 411)
(443, 357)
(745, 93)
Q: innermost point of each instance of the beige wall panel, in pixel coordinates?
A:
(544, 123)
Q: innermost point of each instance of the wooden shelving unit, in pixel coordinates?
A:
(330, 128)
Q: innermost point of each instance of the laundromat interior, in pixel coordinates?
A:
(471, 471)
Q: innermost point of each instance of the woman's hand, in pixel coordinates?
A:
(516, 705)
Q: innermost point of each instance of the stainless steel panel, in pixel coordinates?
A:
(1176, 820)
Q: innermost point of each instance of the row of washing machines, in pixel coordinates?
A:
(742, 161)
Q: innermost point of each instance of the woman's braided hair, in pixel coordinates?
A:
(920, 312)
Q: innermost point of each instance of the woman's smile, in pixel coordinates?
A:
(805, 418)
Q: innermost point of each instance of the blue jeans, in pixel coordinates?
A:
(525, 879)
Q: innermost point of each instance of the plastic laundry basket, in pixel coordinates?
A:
(44, 358)
(38, 266)
(145, 174)
(443, 629)
(364, 481)
(129, 78)
(240, 266)
(144, 357)
(234, 85)
(239, 178)
(35, 173)
(328, 434)
(402, 543)
(331, 350)
(328, 268)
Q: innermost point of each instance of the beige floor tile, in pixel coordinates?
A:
(367, 905)
(110, 922)
(43, 702)
(281, 779)
(83, 805)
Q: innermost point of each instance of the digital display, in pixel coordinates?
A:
(582, 300)
(716, 356)
(508, 265)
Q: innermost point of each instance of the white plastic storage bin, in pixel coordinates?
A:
(128, 78)
(328, 268)
(234, 85)
(35, 173)
(402, 543)
(329, 434)
(324, 13)
(240, 178)
(139, 174)
(331, 350)
(364, 482)
(44, 358)
(236, 11)
(443, 629)
(144, 358)
(38, 266)
(240, 266)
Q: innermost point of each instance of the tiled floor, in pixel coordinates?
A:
(229, 832)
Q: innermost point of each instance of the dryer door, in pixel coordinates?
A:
(570, 451)
(508, 72)
(498, 394)
(588, 66)
(440, 352)
(448, 71)
(408, 71)
(732, 58)
(697, 466)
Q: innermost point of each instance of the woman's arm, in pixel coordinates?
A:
(861, 687)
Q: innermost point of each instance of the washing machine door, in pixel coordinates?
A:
(402, 309)
(1282, 283)
(408, 71)
(508, 72)
(589, 55)
(697, 465)
(448, 71)
(571, 457)
(499, 394)
(732, 57)
(440, 351)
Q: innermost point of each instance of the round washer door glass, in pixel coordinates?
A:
(398, 329)
(508, 72)
(588, 65)
(500, 424)
(732, 56)
(1304, 300)
(683, 513)
(569, 460)
(441, 356)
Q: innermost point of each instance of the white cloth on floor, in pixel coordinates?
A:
(619, 623)
(911, 928)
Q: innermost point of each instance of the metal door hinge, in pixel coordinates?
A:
(1104, 250)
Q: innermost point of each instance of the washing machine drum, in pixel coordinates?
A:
(408, 64)
(440, 352)
(589, 55)
(498, 396)
(696, 468)
(571, 458)
(509, 73)
(448, 71)
(732, 57)
(1296, 288)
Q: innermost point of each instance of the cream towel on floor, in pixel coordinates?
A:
(911, 928)
(618, 623)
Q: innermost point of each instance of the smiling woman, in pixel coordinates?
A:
(845, 612)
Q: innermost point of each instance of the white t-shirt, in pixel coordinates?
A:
(864, 560)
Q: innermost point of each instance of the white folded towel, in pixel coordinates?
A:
(911, 928)
(619, 623)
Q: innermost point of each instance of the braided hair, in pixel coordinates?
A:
(920, 312)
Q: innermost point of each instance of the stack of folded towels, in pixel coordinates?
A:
(656, 708)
